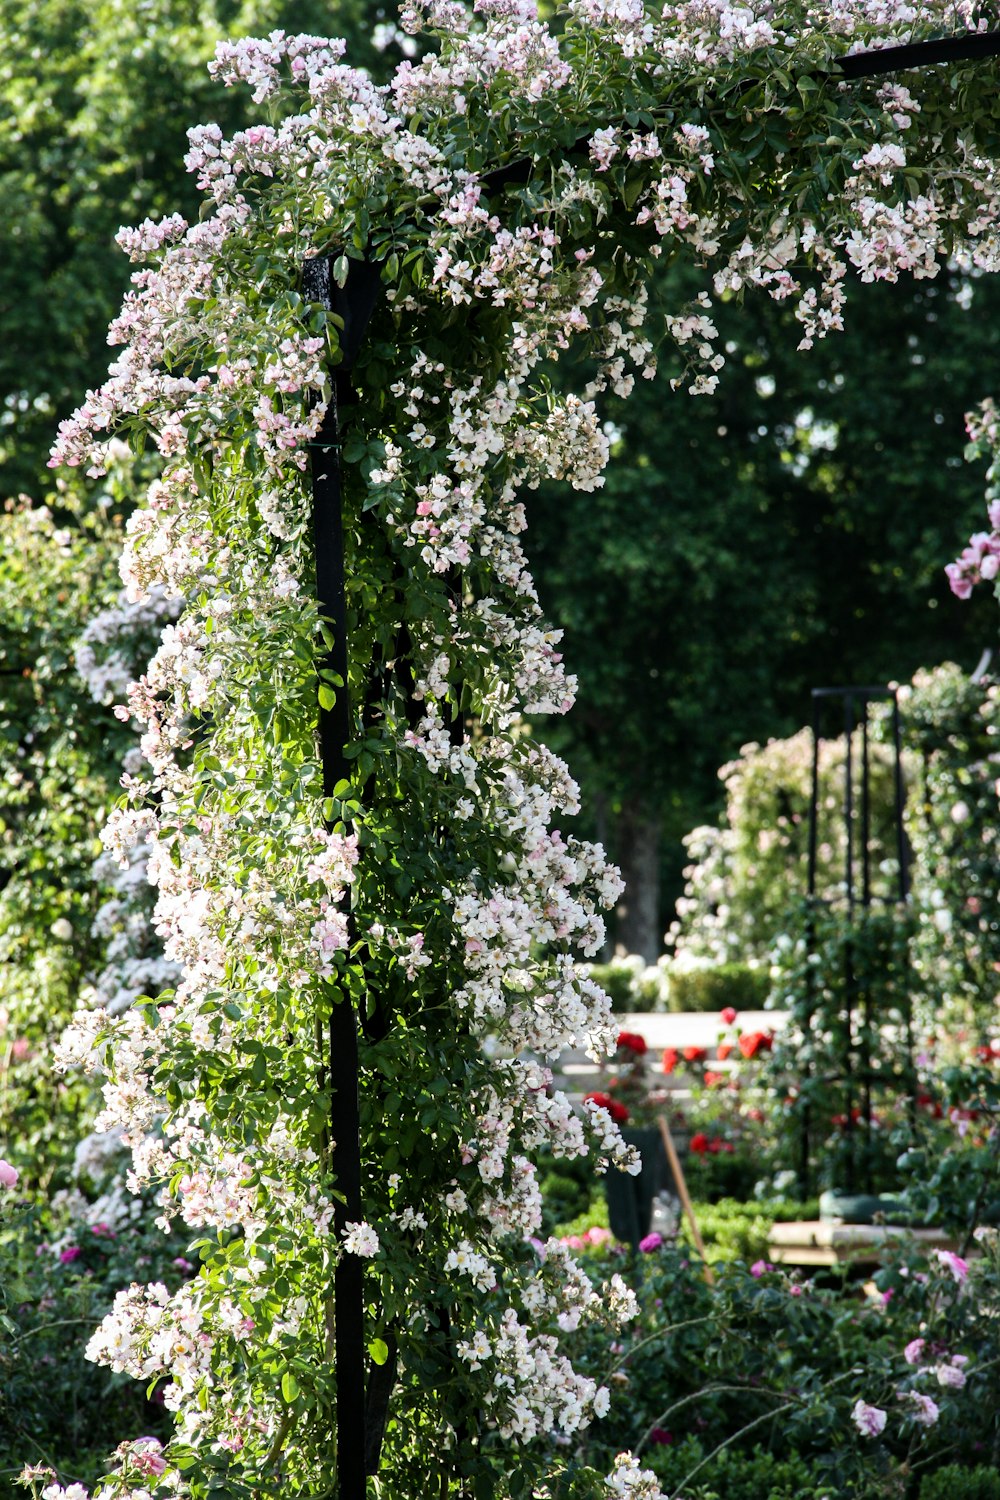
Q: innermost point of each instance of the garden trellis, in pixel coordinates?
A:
(413, 876)
(866, 983)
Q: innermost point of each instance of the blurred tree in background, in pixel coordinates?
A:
(96, 99)
(787, 532)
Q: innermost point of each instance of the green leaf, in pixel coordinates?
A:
(327, 697)
(379, 1351)
(289, 1386)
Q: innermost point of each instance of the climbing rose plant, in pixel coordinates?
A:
(433, 892)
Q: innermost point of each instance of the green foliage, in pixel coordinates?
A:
(750, 870)
(755, 543)
(954, 1482)
(61, 1264)
(735, 1229)
(626, 986)
(98, 98)
(846, 1056)
(952, 724)
(735, 1475)
(715, 988)
(61, 765)
(774, 1361)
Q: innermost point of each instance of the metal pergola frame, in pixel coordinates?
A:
(361, 1412)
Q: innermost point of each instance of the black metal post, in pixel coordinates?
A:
(866, 901)
(814, 802)
(901, 850)
(335, 731)
(849, 799)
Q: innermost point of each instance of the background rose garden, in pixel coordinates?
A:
(222, 353)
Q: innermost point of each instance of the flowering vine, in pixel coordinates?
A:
(513, 186)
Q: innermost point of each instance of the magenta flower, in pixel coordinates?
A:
(8, 1174)
(958, 1267)
(759, 1267)
(914, 1351)
(651, 1242)
(869, 1420)
(72, 1252)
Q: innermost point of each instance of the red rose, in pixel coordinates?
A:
(752, 1042)
(632, 1042)
(616, 1110)
(728, 1015)
(694, 1054)
(711, 1079)
(699, 1143)
(670, 1057)
(723, 1050)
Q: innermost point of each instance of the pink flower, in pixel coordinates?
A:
(727, 1016)
(927, 1411)
(958, 1267)
(596, 1235)
(952, 1375)
(651, 1242)
(869, 1420)
(914, 1351)
(71, 1253)
(8, 1174)
(759, 1267)
(148, 1455)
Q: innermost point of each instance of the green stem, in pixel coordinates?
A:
(757, 1422)
(708, 1390)
(47, 1327)
(652, 1338)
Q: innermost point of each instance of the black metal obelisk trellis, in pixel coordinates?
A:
(858, 892)
(359, 1430)
(353, 304)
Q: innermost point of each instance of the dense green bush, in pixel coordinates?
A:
(952, 722)
(767, 1360)
(631, 984)
(715, 988)
(733, 1230)
(60, 1267)
(955, 1483)
(635, 986)
(59, 772)
(735, 1475)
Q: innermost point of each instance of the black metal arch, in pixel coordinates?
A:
(360, 1415)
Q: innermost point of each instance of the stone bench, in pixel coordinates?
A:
(812, 1242)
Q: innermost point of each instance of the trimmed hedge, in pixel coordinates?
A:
(955, 1483)
(713, 989)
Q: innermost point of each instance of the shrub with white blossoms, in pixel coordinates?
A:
(433, 892)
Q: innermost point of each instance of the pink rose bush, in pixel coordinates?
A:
(429, 893)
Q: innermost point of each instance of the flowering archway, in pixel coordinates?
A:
(417, 899)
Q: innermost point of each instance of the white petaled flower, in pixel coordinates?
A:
(869, 1420)
(360, 1239)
